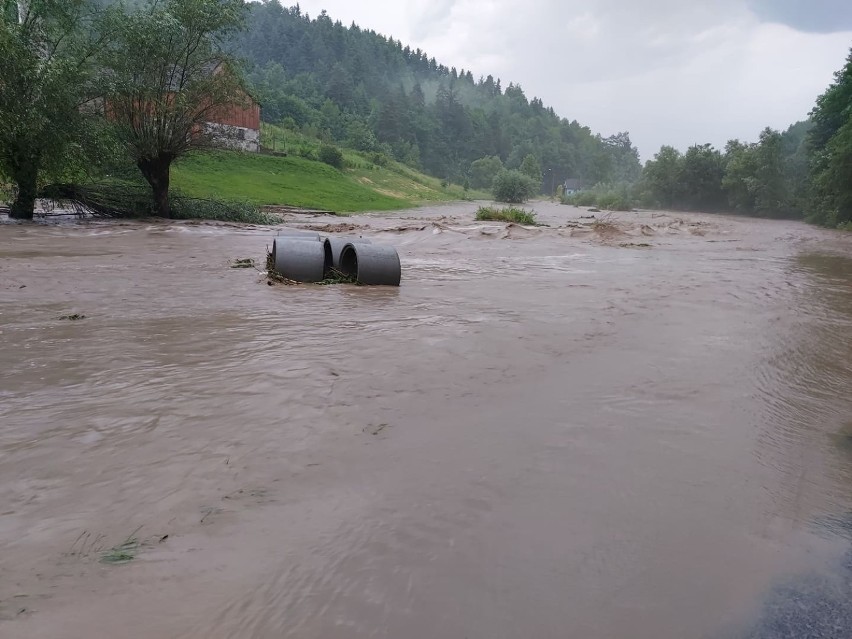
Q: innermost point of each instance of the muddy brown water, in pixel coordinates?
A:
(549, 432)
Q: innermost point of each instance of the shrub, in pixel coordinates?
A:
(613, 202)
(331, 155)
(379, 159)
(513, 187)
(307, 153)
(583, 198)
(603, 196)
(509, 214)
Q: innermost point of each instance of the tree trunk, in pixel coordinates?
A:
(26, 179)
(156, 172)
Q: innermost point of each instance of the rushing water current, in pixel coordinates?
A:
(638, 430)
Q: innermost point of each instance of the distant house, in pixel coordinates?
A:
(571, 186)
(237, 126)
(234, 126)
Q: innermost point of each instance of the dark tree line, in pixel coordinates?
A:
(358, 88)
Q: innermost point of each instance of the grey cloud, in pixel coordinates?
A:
(816, 16)
(431, 18)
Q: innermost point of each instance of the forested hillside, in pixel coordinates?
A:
(361, 89)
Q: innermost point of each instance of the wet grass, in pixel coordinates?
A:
(272, 180)
(375, 171)
(74, 317)
(508, 214)
(131, 198)
(189, 208)
(244, 262)
(124, 552)
(294, 177)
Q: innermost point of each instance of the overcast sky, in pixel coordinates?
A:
(673, 72)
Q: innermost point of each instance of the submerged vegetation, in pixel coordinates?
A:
(333, 276)
(124, 552)
(133, 200)
(509, 214)
(336, 276)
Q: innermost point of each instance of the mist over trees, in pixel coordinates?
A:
(804, 172)
(354, 87)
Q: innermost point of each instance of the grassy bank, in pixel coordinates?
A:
(268, 180)
(367, 182)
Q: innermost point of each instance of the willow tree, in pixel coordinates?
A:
(168, 73)
(46, 76)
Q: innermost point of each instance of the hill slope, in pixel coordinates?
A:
(298, 181)
(362, 90)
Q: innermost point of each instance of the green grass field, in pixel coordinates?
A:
(268, 180)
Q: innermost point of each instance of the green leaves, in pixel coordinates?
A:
(161, 99)
(484, 170)
(531, 168)
(830, 142)
(46, 76)
(513, 187)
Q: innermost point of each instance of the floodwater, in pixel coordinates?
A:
(549, 433)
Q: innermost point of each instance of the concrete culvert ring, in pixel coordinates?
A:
(337, 244)
(299, 233)
(301, 259)
(371, 264)
(348, 262)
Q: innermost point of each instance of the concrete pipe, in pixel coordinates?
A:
(308, 235)
(301, 259)
(337, 244)
(371, 264)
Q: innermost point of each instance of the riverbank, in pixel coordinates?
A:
(272, 180)
(627, 425)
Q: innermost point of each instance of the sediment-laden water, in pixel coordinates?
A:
(635, 430)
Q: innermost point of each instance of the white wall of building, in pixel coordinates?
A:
(234, 137)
